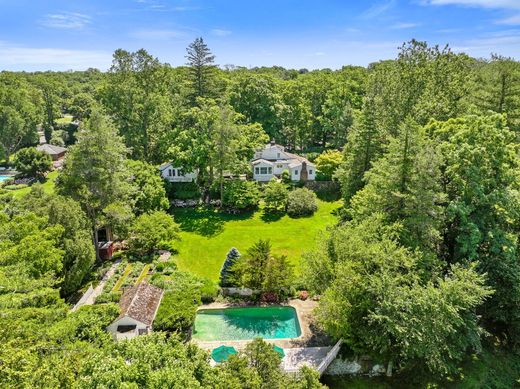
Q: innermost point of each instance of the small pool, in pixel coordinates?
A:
(4, 178)
(246, 323)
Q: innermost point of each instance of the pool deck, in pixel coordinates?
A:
(310, 348)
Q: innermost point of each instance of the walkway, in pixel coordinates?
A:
(99, 288)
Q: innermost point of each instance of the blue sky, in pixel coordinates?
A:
(77, 34)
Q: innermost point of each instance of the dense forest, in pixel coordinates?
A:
(421, 271)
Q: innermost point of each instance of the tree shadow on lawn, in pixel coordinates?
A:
(271, 217)
(206, 221)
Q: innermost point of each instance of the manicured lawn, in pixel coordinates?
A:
(48, 186)
(208, 235)
(64, 120)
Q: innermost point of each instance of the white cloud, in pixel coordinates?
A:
(403, 26)
(220, 32)
(319, 54)
(513, 4)
(66, 20)
(159, 34)
(378, 9)
(511, 20)
(40, 58)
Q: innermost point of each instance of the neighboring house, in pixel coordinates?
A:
(175, 174)
(272, 160)
(56, 152)
(139, 305)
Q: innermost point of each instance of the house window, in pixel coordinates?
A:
(310, 171)
(263, 170)
(270, 170)
(296, 172)
(280, 166)
(257, 170)
(169, 172)
(278, 155)
(173, 171)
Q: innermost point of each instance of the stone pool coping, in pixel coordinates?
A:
(303, 312)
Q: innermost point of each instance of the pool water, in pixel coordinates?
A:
(3, 178)
(246, 323)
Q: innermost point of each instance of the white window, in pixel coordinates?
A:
(257, 170)
(263, 170)
(296, 172)
(170, 172)
(279, 166)
(310, 171)
(173, 171)
(278, 155)
(270, 170)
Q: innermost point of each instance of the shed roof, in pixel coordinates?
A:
(140, 302)
(51, 149)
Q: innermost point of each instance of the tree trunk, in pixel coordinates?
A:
(389, 368)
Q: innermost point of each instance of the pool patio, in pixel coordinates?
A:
(310, 348)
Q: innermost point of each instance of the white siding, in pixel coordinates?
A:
(263, 171)
(125, 321)
(175, 174)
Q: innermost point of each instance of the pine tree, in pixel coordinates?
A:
(201, 63)
(227, 272)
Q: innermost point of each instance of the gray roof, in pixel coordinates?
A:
(140, 302)
(51, 149)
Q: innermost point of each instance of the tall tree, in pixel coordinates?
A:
(497, 88)
(481, 179)
(201, 63)
(404, 184)
(19, 114)
(139, 97)
(95, 172)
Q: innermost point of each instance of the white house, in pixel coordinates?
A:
(273, 160)
(139, 305)
(176, 174)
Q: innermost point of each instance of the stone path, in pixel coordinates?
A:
(99, 288)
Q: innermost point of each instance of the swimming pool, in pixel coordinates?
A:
(246, 323)
(3, 177)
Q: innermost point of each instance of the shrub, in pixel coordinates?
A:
(108, 297)
(208, 291)
(301, 202)
(241, 195)
(151, 229)
(182, 190)
(32, 163)
(286, 177)
(177, 311)
(275, 196)
(327, 164)
(165, 267)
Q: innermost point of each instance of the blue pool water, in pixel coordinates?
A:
(3, 178)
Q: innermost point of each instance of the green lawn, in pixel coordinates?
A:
(48, 186)
(64, 120)
(208, 235)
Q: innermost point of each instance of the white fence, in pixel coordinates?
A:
(83, 298)
(330, 357)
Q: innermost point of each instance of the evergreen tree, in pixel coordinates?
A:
(201, 63)
(404, 184)
(227, 273)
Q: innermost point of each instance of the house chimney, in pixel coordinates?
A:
(273, 142)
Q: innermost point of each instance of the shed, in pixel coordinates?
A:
(139, 305)
(56, 152)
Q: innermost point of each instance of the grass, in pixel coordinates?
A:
(48, 186)
(207, 235)
(64, 120)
